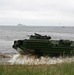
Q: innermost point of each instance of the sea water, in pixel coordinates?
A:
(10, 33)
(32, 60)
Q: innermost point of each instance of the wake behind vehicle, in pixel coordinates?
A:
(43, 46)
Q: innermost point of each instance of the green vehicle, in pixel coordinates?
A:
(43, 46)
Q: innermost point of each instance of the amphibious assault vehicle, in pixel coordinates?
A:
(43, 46)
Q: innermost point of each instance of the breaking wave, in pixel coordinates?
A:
(32, 60)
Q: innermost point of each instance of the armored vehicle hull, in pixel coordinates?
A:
(43, 46)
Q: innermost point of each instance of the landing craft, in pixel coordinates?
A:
(43, 46)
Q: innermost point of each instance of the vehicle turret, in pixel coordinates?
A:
(38, 36)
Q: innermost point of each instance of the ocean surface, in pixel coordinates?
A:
(8, 34)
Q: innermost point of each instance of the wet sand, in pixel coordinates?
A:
(4, 58)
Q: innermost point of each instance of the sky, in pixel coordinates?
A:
(37, 12)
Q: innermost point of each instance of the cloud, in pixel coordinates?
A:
(36, 10)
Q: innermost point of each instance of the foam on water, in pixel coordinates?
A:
(32, 60)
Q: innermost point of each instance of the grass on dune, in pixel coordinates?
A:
(57, 69)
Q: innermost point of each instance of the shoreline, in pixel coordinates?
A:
(11, 59)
